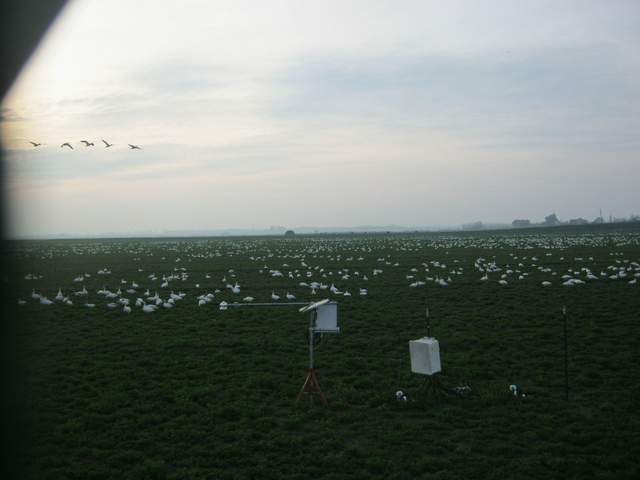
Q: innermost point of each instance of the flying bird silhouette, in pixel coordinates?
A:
(133, 147)
(107, 144)
(66, 144)
(86, 143)
(35, 144)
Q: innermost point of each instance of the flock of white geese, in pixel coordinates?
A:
(313, 280)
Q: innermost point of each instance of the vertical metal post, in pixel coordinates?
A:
(566, 354)
(428, 324)
(311, 333)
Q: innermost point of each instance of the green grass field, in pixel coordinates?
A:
(196, 392)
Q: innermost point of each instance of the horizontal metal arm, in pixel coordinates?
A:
(283, 304)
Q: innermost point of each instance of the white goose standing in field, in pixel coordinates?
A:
(274, 297)
(148, 308)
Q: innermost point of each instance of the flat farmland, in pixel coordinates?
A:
(133, 370)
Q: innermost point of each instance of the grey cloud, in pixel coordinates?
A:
(8, 114)
(537, 97)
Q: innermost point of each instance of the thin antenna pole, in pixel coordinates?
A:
(566, 354)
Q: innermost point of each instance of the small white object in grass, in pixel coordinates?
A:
(223, 305)
(514, 389)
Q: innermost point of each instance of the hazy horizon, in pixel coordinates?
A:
(252, 114)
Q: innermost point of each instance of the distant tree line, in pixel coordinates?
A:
(552, 220)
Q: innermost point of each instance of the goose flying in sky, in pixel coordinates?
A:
(87, 143)
(107, 144)
(35, 144)
(66, 144)
(133, 147)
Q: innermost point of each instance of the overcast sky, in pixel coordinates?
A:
(325, 113)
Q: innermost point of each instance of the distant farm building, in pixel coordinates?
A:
(519, 223)
(289, 233)
(578, 221)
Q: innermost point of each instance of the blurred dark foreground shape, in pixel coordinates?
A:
(24, 23)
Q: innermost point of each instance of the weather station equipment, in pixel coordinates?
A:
(425, 356)
(425, 360)
(323, 318)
